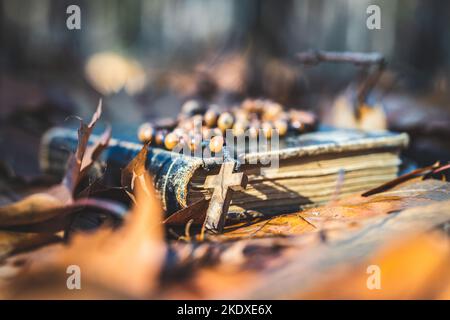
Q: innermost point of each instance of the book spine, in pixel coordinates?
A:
(171, 172)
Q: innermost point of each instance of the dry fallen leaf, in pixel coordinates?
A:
(195, 213)
(347, 213)
(415, 267)
(44, 205)
(120, 263)
(134, 170)
(14, 242)
(45, 212)
(307, 272)
(126, 262)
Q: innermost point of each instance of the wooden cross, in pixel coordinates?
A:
(223, 186)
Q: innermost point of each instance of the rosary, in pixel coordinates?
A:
(198, 127)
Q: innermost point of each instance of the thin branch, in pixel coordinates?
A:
(366, 59)
(357, 58)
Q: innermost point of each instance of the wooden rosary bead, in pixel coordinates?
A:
(216, 144)
(216, 132)
(184, 141)
(194, 141)
(146, 132)
(272, 111)
(211, 117)
(194, 144)
(249, 105)
(242, 118)
(205, 132)
(249, 118)
(211, 132)
(267, 128)
(260, 105)
(253, 132)
(197, 120)
(239, 128)
(159, 137)
(191, 107)
(171, 141)
(225, 121)
(281, 126)
(187, 124)
(179, 132)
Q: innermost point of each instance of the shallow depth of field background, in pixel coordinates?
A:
(249, 46)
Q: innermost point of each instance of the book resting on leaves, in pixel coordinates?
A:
(311, 169)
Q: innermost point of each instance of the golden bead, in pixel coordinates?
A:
(216, 132)
(211, 132)
(159, 137)
(191, 124)
(248, 105)
(253, 105)
(253, 132)
(194, 142)
(211, 118)
(171, 141)
(188, 125)
(190, 108)
(197, 121)
(239, 127)
(205, 132)
(241, 115)
(281, 126)
(238, 132)
(146, 132)
(179, 132)
(267, 128)
(216, 144)
(225, 121)
(259, 105)
(272, 111)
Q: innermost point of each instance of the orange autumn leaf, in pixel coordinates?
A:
(346, 213)
(415, 267)
(126, 261)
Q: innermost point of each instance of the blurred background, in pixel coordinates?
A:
(147, 57)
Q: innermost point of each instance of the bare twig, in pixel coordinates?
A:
(365, 59)
(357, 58)
(408, 176)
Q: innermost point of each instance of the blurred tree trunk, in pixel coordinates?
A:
(261, 26)
(428, 51)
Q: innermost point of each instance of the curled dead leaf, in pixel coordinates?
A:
(134, 169)
(45, 211)
(14, 242)
(127, 260)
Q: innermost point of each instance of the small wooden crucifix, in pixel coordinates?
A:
(223, 186)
